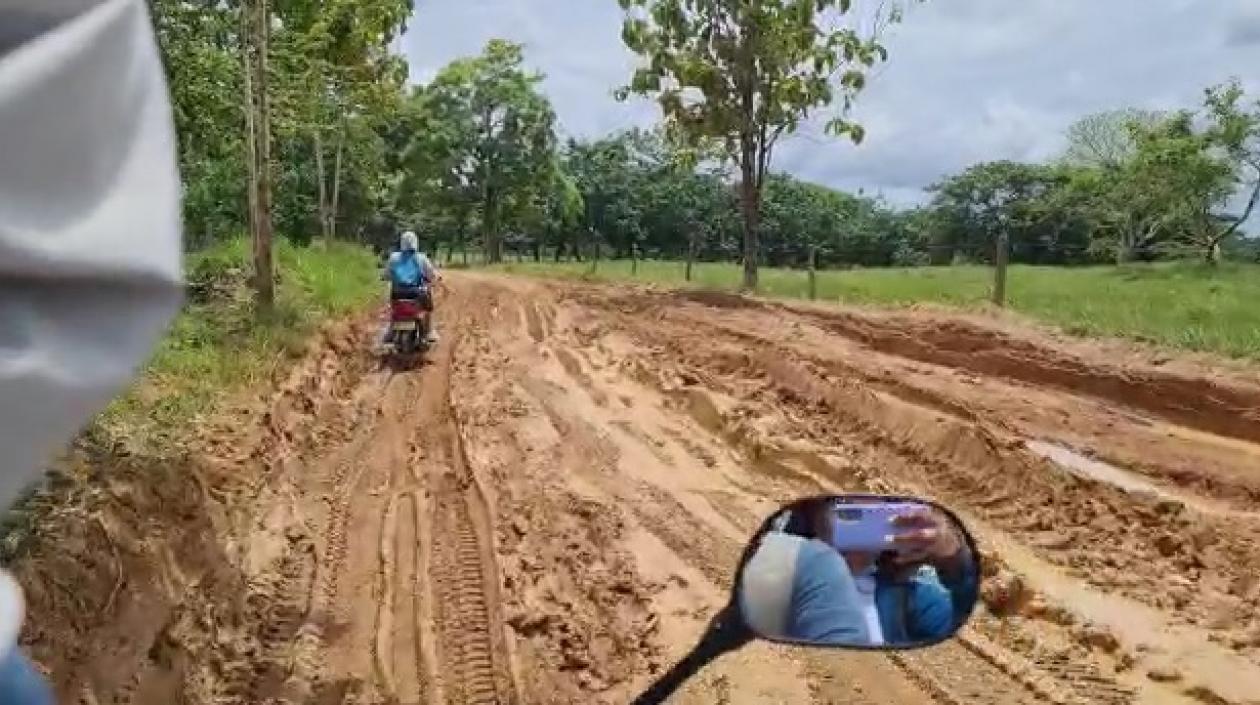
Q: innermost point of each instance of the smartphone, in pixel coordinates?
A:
(866, 527)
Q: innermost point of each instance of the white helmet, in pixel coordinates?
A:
(409, 242)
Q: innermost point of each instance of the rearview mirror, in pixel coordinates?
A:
(859, 571)
(845, 571)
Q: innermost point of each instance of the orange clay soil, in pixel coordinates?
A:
(550, 508)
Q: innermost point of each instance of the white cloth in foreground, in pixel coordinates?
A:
(89, 225)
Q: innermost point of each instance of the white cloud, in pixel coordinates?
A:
(968, 80)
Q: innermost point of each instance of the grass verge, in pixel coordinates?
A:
(217, 345)
(1181, 305)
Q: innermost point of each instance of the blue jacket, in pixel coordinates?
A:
(922, 607)
(824, 605)
(409, 269)
(925, 607)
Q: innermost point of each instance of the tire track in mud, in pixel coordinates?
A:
(302, 615)
(399, 641)
(973, 464)
(342, 484)
(1054, 677)
(383, 647)
(421, 612)
(290, 600)
(463, 578)
(988, 673)
(1207, 404)
(467, 646)
(832, 675)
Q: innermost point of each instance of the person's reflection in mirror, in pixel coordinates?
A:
(799, 588)
(923, 591)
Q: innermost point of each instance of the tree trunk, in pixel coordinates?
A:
(749, 194)
(489, 216)
(1122, 253)
(813, 273)
(1128, 243)
(334, 207)
(1001, 256)
(1212, 254)
(691, 254)
(490, 225)
(323, 190)
(251, 137)
(264, 274)
(267, 294)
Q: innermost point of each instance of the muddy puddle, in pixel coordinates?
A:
(1093, 469)
(1089, 468)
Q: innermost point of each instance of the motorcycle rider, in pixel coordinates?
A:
(411, 276)
(923, 592)
(800, 589)
(89, 239)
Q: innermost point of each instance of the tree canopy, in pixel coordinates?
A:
(745, 74)
(472, 158)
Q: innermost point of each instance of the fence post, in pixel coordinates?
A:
(691, 254)
(999, 271)
(813, 273)
(634, 260)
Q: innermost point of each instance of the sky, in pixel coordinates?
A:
(966, 81)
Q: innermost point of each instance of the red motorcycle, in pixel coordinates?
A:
(409, 324)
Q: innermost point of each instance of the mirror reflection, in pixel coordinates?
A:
(859, 571)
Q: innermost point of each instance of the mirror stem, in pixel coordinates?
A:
(725, 633)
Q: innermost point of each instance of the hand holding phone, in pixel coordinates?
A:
(868, 527)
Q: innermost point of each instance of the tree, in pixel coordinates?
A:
(329, 73)
(1234, 132)
(257, 30)
(612, 182)
(1175, 179)
(1025, 201)
(1113, 183)
(562, 207)
(1123, 210)
(338, 86)
(200, 45)
(1188, 168)
(747, 72)
(1105, 140)
(487, 131)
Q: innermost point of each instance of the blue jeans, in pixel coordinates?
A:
(21, 683)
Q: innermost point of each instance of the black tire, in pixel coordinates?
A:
(407, 343)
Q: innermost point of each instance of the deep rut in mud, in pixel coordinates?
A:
(468, 624)
(438, 634)
(550, 509)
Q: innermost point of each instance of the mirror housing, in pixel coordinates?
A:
(858, 571)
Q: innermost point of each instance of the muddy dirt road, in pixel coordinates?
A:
(549, 510)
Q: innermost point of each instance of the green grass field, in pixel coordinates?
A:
(1182, 305)
(216, 345)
